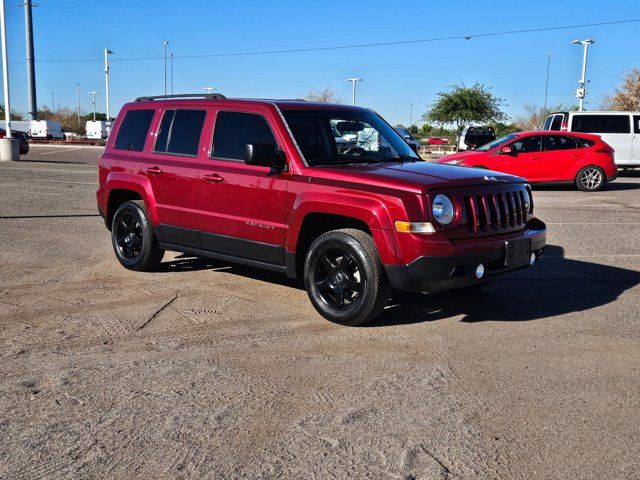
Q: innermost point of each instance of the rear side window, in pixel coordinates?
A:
(133, 130)
(560, 142)
(180, 131)
(556, 124)
(601, 123)
(234, 130)
(636, 123)
(547, 123)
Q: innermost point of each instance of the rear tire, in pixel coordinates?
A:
(590, 179)
(344, 277)
(134, 243)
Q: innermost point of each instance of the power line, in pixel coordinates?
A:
(355, 45)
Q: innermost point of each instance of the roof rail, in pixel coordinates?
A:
(180, 95)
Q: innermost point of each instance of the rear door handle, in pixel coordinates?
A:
(213, 178)
(154, 170)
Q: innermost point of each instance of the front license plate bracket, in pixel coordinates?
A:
(517, 252)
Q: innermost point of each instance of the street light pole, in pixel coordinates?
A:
(353, 81)
(165, 43)
(209, 89)
(410, 117)
(5, 72)
(78, 100)
(93, 94)
(53, 105)
(30, 58)
(581, 92)
(171, 58)
(107, 52)
(546, 86)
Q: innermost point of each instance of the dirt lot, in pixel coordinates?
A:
(210, 370)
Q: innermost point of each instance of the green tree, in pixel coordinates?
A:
(461, 106)
(501, 129)
(14, 115)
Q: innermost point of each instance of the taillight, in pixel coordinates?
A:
(606, 149)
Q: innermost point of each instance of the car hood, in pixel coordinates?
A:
(461, 155)
(419, 177)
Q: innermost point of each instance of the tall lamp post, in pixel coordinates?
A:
(171, 63)
(353, 81)
(107, 52)
(93, 94)
(209, 89)
(8, 146)
(581, 92)
(546, 85)
(165, 43)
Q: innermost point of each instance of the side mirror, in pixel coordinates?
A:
(263, 154)
(508, 150)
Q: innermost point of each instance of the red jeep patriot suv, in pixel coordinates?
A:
(329, 193)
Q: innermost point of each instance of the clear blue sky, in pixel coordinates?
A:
(394, 76)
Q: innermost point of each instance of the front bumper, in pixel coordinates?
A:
(437, 273)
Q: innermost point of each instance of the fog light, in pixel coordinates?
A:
(532, 258)
(480, 271)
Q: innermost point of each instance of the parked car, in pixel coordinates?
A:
(96, 130)
(437, 141)
(410, 139)
(475, 136)
(21, 136)
(546, 157)
(46, 129)
(263, 183)
(621, 130)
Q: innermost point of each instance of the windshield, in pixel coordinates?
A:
(342, 137)
(496, 143)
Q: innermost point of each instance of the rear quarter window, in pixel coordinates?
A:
(133, 130)
(601, 124)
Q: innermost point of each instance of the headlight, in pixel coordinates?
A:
(527, 200)
(455, 162)
(442, 209)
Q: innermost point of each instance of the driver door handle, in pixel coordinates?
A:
(213, 178)
(154, 170)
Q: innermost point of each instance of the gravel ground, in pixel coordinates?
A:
(210, 370)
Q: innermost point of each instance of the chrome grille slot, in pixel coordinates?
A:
(499, 210)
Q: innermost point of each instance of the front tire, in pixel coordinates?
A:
(134, 242)
(344, 277)
(590, 179)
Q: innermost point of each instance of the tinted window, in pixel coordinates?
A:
(180, 132)
(527, 144)
(636, 123)
(556, 124)
(560, 142)
(133, 130)
(600, 123)
(235, 130)
(547, 123)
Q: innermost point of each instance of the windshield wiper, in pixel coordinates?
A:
(401, 159)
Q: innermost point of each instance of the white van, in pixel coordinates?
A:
(46, 129)
(96, 130)
(621, 130)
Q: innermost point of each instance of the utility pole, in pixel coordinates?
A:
(171, 73)
(78, 100)
(165, 43)
(53, 105)
(209, 89)
(353, 80)
(30, 57)
(581, 92)
(93, 94)
(107, 52)
(546, 87)
(411, 118)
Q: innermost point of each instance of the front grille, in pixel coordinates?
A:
(496, 211)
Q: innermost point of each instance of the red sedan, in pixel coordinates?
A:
(546, 157)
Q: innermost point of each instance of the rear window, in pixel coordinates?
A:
(556, 123)
(180, 131)
(601, 124)
(234, 130)
(133, 130)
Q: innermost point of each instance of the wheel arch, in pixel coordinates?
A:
(122, 187)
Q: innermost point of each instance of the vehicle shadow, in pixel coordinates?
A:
(616, 185)
(555, 286)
